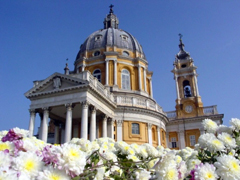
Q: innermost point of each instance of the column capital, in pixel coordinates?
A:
(149, 125)
(119, 123)
(32, 111)
(85, 104)
(69, 106)
(110, 120)
(92, 109)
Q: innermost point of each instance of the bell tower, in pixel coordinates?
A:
(188, 102)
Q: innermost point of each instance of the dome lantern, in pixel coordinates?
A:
(111, 21)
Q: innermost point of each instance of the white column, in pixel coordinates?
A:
(115, 72)
(107, 74)
(93, 124)
(68, 125)
(151, 90)
(56, 133)
(196, 85)
(177, 88)
(83, 67)
(104, 127)
(32, 122)
(97, 129)
(158, 135)
(45, 124)
(119, 130)
(84, 120)
(202, 131)
(139, 78)
(144, 79)
(182, 139)
(149, 133)
(110, 128)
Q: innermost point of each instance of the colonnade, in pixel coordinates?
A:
(107, 123)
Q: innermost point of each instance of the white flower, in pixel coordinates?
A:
(72, 159)
(50, 173)
(5, 160)
(205, 172)
(191, 163)
(209, 125)
(8, 174)
(215, 145)
(235, 122)
(107, 154)
(228, 167)
(7, 145)
(143, 174)
(100, 173)
(21, 132)
(133, 157)
(223, 128)
(227, 140)
(28, 163)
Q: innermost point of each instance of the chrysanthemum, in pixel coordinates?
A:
(28, 163)
(133, 157)
(6, 146)
(72, 159)
(228, 167)
(205, 172)
(227, 140)
(209, 125)
(235, 122)
(143, 174)
(50, 173)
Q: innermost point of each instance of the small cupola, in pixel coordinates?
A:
(182, 54)
(111, 21)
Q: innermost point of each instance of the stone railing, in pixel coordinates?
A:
(208, 110)
(171, 114)
(138, 102)
(86, 75)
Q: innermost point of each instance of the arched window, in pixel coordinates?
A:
(97, 74)
(135, 128)
(187, 89)
(96, 53)
(154, 134)
(125, 79)
(125, 53)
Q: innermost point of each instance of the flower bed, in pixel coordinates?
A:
(216, 156)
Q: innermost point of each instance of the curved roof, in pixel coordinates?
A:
(111, 37)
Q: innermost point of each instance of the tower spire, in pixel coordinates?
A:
(182, 54)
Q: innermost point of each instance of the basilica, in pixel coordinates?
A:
(109, 94)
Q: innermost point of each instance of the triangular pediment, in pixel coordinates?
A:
(55, 83)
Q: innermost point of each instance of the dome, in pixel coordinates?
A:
(110, 36)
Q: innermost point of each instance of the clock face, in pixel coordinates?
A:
(188, 108)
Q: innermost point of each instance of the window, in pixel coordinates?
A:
(125, 53)
(163, 138)
(97, 74)
(184, 65)
(124, 37)
(135, 128)
(173, 142)
(96, 53)
(187, 89)
(192, 140)
(98, 37)
(125, 79)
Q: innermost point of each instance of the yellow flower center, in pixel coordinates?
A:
(73, 153)
(29, 165)
(209, 175)
(170, 174)
(54, 177)
(217, 142)
(235, 165)
(126, 147)
(4, 146)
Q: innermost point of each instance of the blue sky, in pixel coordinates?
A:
(36, 37)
